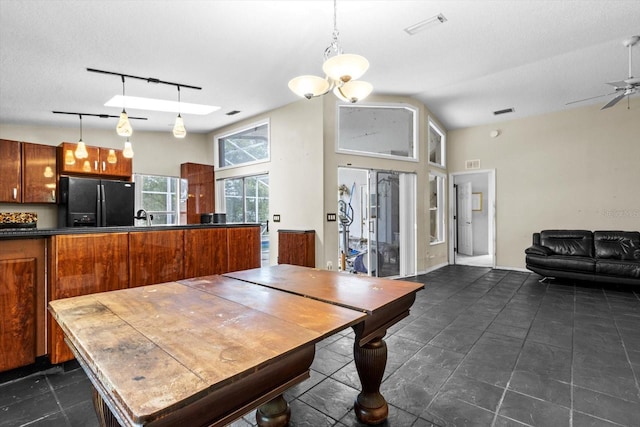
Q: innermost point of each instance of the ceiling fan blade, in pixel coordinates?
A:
(619, 84)
(614, 101)
(593, 97)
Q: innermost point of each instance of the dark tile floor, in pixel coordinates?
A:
(482, 347)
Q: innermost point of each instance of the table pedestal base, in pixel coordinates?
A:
(275, 413)
(371, 359)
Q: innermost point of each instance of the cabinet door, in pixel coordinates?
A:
(68, 163)
(84, 264)
(17, 312)
(156, 257)
(10, 177)
(205, 252)
(201, 190)
(39, 173)
(297, 247)
(113, 163)
(243, 248)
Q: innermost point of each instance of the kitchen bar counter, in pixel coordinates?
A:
(18, 233)
(87, 260)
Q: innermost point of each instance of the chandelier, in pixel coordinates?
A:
(341, 73)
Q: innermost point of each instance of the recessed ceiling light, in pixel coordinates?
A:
(138, 103)
(427, 23)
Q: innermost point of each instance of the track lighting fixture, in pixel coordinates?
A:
(179, 130)
(341, 73)
(81, 150)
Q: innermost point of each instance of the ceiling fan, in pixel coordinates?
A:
(624, 88)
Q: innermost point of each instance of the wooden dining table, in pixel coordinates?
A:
(207, 350)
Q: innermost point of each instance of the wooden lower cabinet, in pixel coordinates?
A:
(22, 298)
(205, 252)
(82, 264)
(297, 247)
(156, 257)
(243, 248)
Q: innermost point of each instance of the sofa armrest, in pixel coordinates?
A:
(538, 250)
(636, 254)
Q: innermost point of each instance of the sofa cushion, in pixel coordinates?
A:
(620, 268)
(563, 263)
(620, 245)
(568, 242)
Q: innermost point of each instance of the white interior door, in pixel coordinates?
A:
(465, 223)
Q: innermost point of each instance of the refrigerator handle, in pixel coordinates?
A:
(102, 207)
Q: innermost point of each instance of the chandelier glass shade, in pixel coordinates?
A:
(179, 130)
(341, 73)
(81, 148)
(123, 128)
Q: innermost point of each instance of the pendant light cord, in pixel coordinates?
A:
(80, 115)
(179, 109)
(123, 98)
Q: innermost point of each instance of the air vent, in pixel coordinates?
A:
(232, 113)
(472, 164)
(505, 111)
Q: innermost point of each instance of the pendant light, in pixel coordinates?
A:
(178, 128)
(124, 127)
(341, 73)
(127, 153)
(81, 149)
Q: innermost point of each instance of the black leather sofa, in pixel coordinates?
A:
(600, 256)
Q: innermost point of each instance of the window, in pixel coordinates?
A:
(436, 208)
(388, 131)
(158, 195)
(249, 145)
(437, 145)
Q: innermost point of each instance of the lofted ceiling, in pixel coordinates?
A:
(530, 55)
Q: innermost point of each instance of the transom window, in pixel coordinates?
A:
(246, 146)
(437, 145)
(378, 130)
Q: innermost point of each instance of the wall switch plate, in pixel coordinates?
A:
(276, 218)
(331, 217)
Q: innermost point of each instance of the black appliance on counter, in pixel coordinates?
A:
(88, 202)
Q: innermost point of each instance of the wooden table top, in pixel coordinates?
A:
(362, 293)
(156, 347)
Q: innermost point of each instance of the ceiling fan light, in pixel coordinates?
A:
(345, 67)
(308, 86)
(124, 127)
(81, 150)
(353, 91)
(127, 153)
(179, 130)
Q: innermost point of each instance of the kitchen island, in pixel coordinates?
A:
(41, 265)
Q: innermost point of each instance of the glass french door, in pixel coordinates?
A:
(378, 222)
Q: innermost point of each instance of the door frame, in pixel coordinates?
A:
(491, 206)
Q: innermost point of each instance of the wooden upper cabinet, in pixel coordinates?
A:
(113, 163)
(38, 173)
(97, 163)
(243, 245)
(201, 190)
(10, 172)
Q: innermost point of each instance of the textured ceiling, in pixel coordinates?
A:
(531, 55)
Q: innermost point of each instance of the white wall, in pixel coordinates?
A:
(577, 169)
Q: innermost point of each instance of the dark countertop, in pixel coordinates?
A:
(31, 233)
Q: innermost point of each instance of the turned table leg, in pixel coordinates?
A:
(105, 417)
(371, 359)
(275, 413)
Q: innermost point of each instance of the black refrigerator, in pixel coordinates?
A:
(87, 202)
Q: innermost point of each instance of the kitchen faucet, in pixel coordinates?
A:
(142, 214)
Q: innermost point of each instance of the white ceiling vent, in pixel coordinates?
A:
(472, 164)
